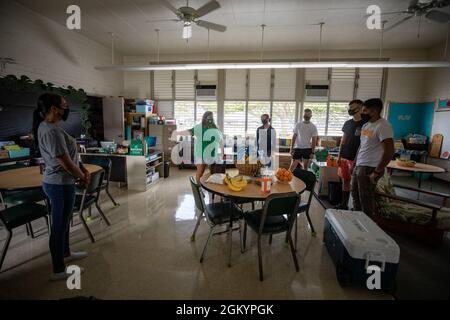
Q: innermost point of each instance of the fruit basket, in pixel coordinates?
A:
(406, 163)
(283, 176)
(248, 169)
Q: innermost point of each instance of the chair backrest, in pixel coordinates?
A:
(198, 195)
(280, 204)
(103, 162)
(95, 184)
(307, 177)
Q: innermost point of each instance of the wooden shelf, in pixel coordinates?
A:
(148, 161)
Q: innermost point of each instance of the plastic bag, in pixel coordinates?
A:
(216, 178)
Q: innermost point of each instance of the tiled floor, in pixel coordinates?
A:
(147, 254)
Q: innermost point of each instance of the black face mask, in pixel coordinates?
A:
(65, 115)
(264, 121)
(352, 112)
(307, 119)
(365, 116)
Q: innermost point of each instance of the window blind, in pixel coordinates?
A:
(284, 84)
(342, 84)
(236, 84)
(207, 75)
(316, 74)
(184, 84)
(370, 81)
(163, 85)
(259, 84)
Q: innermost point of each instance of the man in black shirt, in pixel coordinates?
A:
(265, 139)
(349, 148)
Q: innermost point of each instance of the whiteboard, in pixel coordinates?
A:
(441, 124)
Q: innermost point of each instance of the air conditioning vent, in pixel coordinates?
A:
(206, 92)
(314, 92)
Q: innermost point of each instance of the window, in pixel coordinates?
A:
(338, 114)
(283, 118)
(234, 118)
(319, 115)
(203, 106)
(163, 84)
(255, 110)
(184, 114)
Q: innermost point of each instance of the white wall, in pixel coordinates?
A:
(406, 85)
(48, 51)
(437, 86)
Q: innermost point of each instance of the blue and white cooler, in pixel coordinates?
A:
(356, 244)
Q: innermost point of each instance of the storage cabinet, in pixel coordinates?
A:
(144, 171)
(163, 133)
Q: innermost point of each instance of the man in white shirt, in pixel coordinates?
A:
(303, 142)
(374, 154)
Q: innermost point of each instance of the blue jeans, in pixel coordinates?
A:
(62, 199)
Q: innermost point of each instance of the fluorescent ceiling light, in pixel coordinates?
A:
(187, 31)
(279, 65)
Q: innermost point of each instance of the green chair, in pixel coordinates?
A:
(106, 164)
(20, 215)
(216, 214)
(277, 216)
(13, 198)
(89, 197)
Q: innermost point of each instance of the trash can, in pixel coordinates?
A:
(166, 169)
(334, 192)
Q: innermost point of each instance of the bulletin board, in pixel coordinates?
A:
(443, 105)
(415, 118)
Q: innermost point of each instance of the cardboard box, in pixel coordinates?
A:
(4, 154)
(328, 143)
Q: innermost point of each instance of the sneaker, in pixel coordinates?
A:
(74, 256)
(62, 275)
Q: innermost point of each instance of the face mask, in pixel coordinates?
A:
(65, 113)
(365, 116)
(264, 121)
(210, 122)
(352, 112)
(307, 119)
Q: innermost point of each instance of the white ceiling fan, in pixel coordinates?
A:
(189, 15)
(422, 8)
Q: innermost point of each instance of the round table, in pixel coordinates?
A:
(420, 168)
(29, 177)
(252, 191)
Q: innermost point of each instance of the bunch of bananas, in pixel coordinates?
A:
(235, 183)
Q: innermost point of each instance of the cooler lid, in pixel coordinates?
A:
(362, 237)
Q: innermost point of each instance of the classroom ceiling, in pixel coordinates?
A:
(290, 25)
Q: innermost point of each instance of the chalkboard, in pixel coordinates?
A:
(16, 115)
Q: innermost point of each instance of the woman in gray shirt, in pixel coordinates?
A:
(59, 152)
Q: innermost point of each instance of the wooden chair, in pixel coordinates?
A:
(429, 232)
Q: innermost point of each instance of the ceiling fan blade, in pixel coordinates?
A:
(397, 23)
(162, 20)
(438, 16)
(211, 26)
(207, 8)
(387, 13)
(167, 4)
